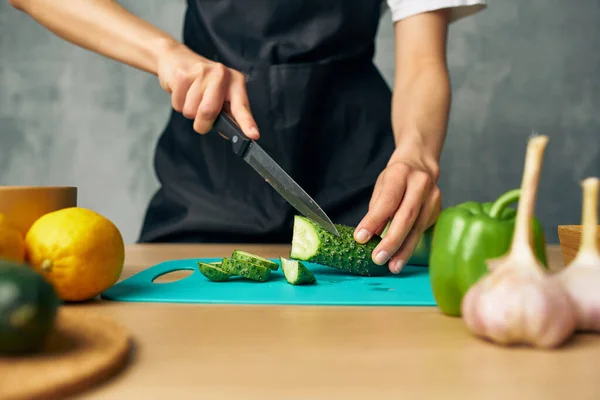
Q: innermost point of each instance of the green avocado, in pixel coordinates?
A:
(28, 309)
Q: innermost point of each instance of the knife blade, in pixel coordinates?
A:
(272, 172)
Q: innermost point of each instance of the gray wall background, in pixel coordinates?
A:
(70, 117)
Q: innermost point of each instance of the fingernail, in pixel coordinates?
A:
(362, 235)
(396, 266)
(253, 131)
(381, 257)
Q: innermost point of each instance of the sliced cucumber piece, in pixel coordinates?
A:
(246, 269)
(306, 241)
(312, 243)
(213, 272)
(296, 273)
(254, 259)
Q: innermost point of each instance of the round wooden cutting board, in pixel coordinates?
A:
(84, 349)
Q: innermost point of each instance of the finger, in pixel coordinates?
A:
(417, 192)
(240, 107)
(362, 236)
(412, 239)
(437, 209)
(179, 91)
(192, 99)
(376, 191)
(210, 107)
(212, 98)
(381, 227)
(384, 206)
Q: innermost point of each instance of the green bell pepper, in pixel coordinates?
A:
(464, 238)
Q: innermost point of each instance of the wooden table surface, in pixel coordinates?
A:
(187, 351)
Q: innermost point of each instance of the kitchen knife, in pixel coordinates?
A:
(262, 163)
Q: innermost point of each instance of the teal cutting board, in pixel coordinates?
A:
(410, 288)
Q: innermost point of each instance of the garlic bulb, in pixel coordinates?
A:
(581, 278)
(517, 303)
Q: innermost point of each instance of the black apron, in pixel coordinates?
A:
(322, 108)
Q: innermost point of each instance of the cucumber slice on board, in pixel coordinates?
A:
(296, 273)
(254, 259)
(246, 269)
(312, 243)
(213, 272)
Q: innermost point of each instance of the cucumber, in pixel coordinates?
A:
(296, 273)
(254, 259)
(28, 309)
(216, 263)
(312, 243)
(246, 269)
(213, 271)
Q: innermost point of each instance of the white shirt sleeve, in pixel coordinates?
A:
(459, 8)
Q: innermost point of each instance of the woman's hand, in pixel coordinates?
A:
(406, 193)
(201, 88)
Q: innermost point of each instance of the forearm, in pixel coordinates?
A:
(422, 94)
(420, 109)
(104, 27)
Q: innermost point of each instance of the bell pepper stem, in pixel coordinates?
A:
(504, 201)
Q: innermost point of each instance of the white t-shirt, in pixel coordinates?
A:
(401, 9)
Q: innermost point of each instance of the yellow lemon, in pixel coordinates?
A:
(79, 251)
(12, 244)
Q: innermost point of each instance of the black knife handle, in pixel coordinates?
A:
(227, 127)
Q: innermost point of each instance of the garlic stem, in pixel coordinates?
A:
(589, 217)
(523, 233)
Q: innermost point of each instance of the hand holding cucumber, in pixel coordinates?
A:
(407, 196)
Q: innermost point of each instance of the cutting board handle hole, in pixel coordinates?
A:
(173, 276)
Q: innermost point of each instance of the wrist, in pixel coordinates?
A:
(420, 111)
(174, 58)
(416, 153)
(163, 48)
